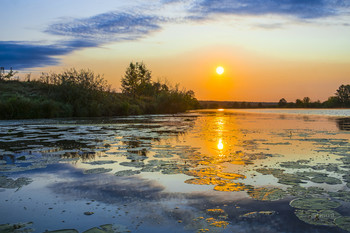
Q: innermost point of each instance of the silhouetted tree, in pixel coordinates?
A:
(299, 103)
(282, 102)
(9, 74)
(137, 80)
(343, 95)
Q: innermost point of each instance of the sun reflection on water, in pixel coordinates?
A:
(220, 144)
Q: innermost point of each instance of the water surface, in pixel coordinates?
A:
(203, 171)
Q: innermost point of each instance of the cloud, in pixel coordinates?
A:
(300, 9)
(77, 34)
(21, 55)
(107, 27)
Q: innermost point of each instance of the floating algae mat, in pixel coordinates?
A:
(202, 171)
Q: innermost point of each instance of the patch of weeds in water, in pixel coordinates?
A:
(290, 179)
(267, 194)
(101, 162)
(64, 231)
(257, 214)
(314, 203)
(295, 164)
(127, 173)
(299, 191)
(343, 222)
(16, 228)
(9, 183)
(97, 171)
(318, 217)
(136, 164)
(206, 181)
(327, 180)
(340, 195)
(270, 171)
(232, 187)
(230, 176)
(221, 224)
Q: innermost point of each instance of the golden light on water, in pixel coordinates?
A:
(220, 144)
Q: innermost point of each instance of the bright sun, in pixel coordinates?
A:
(220, 70)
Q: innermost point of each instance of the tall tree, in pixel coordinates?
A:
(343, 95)
(136, 80)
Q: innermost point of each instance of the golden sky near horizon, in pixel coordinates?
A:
(269, 50)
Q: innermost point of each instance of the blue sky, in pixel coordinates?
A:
(38, 35)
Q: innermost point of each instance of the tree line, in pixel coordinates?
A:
(81, 93)
(341, 99)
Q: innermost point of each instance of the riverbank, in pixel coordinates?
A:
(83, 94)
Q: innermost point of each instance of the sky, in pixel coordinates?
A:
(270, 49)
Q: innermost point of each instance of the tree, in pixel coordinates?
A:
(343, 95)
(306, 102)
(282, 102)
(299, 103)
(137, 80)
(9, 75)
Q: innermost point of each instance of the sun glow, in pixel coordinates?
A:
(220, 70)
(220, 145)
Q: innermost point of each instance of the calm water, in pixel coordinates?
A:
(203, 171)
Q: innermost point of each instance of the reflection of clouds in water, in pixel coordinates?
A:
(146, 200)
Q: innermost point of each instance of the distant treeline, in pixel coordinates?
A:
(340, 100)
(81, 93)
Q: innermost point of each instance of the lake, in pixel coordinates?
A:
(225, 170)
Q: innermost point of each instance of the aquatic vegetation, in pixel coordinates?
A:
(314, 204)
(97, 171)
(16, 228)
(230, 176)
(222, 224)
(101, 162)
(206, 181)
(9, 183)
(340, 195)
(267, 194)
(255, 214)
(299, 191)
(270, 171)
(64, 231)
(295, 164)
(231, 187)
(327, 180)
(318, 217)
(343, 222)
(127, 173)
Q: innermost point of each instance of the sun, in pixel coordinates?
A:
(220, 70)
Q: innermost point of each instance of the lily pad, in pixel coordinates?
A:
(9, 183)
(343, 222)
(314, 204)
(341, 195)
(267, 194)
(257, 213)
(97, 171)
(232, 187)
(327, 180)
(270, 171)
(299, 191)
(206, 181)
(295, 164)
(127, 173)
(318, 217)
(64, 231)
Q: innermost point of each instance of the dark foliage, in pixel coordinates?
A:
(83, 94)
